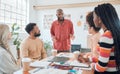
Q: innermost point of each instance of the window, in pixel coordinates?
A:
(14, 11)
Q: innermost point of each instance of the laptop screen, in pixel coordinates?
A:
(75, 47)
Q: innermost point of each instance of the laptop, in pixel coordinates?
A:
(75, 47)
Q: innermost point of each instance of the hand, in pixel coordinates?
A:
(54, 40)
(72, 37)
(82, 59)
(87, 55)
(92, 65)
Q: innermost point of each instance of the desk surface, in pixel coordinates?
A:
(80, 71)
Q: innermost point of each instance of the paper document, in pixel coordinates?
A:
(68, 55)
(51, 71)
(40, 64)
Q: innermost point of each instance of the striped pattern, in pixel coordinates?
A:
(106, 60)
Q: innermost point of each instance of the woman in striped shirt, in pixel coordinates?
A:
(105, 17)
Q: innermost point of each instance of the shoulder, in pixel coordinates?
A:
(96, 36)
(3, 52)
(107, 34)
(26, 40)
(107, 38)
(38, 39)
(67, 20)
(55, 21)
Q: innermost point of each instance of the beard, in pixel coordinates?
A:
(37, 34)
(61, 19)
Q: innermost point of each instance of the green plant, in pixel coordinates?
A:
(15, 34)
(47, 45)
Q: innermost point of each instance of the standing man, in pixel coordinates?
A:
(32, 47)
(61, 32)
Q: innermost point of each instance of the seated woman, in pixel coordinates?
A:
(8, 63)
(95, 36)
(106, 17)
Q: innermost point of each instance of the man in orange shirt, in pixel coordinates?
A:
(62, 31)
(32, 47)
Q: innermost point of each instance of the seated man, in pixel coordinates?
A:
(32, 47)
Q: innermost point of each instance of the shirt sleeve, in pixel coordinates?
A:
(7, 66)
(106, 45)
(71, 28)
(24, 50)
(52, 30)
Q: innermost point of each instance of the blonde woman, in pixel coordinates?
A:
(7, 62)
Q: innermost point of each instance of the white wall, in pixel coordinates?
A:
(32, 12)
(55, 2)
(80, 33)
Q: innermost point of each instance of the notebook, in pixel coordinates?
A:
(59, 59)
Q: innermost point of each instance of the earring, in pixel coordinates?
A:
(99, 22)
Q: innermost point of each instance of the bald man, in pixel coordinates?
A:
(61, 32)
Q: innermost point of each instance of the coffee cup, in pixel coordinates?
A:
(26, 64)
(54, 52)
(76, 54)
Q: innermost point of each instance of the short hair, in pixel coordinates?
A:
(89, 19)
(29, 27)
(59, 10)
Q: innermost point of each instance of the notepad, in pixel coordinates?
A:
(68, 55)
(59, 59)
(40, 64)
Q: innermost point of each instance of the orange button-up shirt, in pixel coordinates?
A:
(61, 33)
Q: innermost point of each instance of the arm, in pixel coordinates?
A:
(105, 50)
(7, 65)
(24, 50)
(94, 50)
(94, 47)
(52, 31)
(71, 31)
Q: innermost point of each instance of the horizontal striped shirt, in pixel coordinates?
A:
(106, 60)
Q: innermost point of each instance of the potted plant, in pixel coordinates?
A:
(16, 39)
(48, 47)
